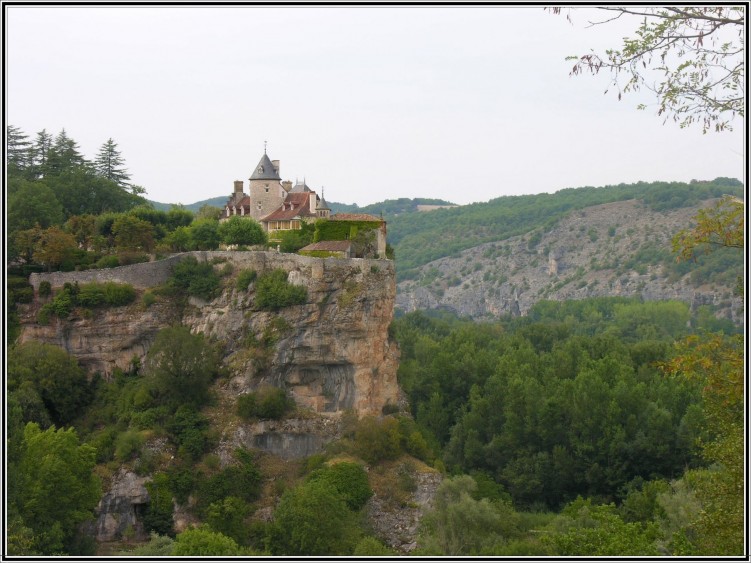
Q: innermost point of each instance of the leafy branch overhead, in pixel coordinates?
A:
(691, 58)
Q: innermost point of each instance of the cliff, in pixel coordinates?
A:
(618, 248)
(331, 353)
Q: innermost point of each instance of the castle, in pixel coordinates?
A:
(279, 206)
(276, 205)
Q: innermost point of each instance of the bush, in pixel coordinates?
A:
(148, 299)
(110, 261)
(376, 440)
(274, 292)
(242, 230)
(45, 289)
(128, 445)
(267, 402)
(349, 480)
(245, 278)
(195, 278)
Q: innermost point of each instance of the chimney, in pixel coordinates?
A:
(275, 164)
(287, 185)
(313, 197)
(238, 186)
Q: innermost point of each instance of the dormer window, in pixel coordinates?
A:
(260, 170)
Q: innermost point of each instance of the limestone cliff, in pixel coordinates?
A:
(331, 353)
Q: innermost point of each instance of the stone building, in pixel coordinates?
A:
(276, 204)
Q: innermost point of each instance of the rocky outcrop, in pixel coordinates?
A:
(331, 353)
(117, 512)
(398, 526)
(583, 255)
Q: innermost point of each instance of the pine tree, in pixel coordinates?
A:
(19, 150)
(40, 151)
(63, 155)
(110, 164)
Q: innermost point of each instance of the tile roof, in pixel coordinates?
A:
(295, 205)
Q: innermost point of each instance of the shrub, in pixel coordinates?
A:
(195, 278)
(110, 261)
(267, 402)
(45, 289)
(245, 278)
(377, 440)
(274, 292)
(128, 444)
(349, 480)
(148, 299)
(242, 230)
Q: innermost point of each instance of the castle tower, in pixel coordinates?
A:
(266, 191)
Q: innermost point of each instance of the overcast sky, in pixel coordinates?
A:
(370, 103)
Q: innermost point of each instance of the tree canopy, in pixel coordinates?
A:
(692, 58)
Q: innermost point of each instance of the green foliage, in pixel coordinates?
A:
(349, 480)
(562, 403)
(45, 288)
(376, 440)
(182, 366)
(195, 278)
(54, 489)
(108, 293)
(241, 230)
(299, 528)
(157, 517)
(267, 402)
(584, 529)
(294, 240)
(204, 234)
(460, 525)
(56, 387)
(188, 428)
(242, 480)
(227, 516)
(128, 445)
(203, 541)
(274, 292)
(341, 230)
(245, 278)
(370, 546)
(156, 546)
(420, 238)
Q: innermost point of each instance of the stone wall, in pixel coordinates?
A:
(151, 274)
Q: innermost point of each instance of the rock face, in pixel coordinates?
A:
(398, 528)
(583, 255)
(331, 353)
(118, 509)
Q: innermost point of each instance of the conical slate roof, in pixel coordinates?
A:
(265, 170)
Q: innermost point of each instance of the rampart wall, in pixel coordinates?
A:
(151, 274)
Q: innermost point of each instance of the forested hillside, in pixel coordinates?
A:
(604, 426)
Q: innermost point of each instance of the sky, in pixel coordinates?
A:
(464, 104)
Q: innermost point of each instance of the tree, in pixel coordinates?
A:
(40, 151)
(204, 541)
(32, 203)
(58, 489)
(109, 164)
(240, 230)
(132, 233)
(691, 58)
(461, 525)
(54, 248)
(63, 155)
(205, 234)
(349, 480)
(313, 519)
(19, 150)
(54, 375)
(183, 366)
(716, 362)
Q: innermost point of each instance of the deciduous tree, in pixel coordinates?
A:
(692, 58)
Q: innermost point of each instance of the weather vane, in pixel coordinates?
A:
(264, 147)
